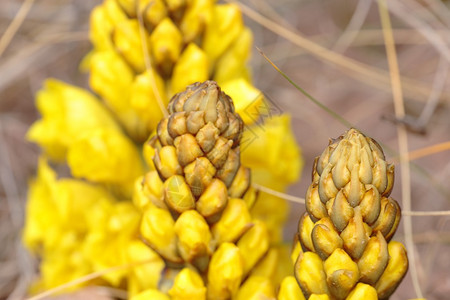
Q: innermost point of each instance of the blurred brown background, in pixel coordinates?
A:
(53, 38)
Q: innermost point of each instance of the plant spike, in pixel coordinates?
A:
(346, 252)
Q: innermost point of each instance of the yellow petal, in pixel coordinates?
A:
(192, 66)
(224, 28)
(67, 112)
(280, 163)
(198, 14)
(247, 99)
(231, 64)
(127, 37)
(165, 43)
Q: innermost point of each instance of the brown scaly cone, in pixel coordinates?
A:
(196, 203)
(345, 233)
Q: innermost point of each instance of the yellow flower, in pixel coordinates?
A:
(256, 287)
(105, 156)
(280, 163)
(147, 96)
(166, 42)
(147, 275)
(192, 66)
(225, 27)
(150, 294)
(188, 285)
(289, 289)
(230, 66)
(67, 113)
(128, 42)
(225, 272)
(107, 242)
(276, 167)
(58, 218)
(245, 96)
(181, 42)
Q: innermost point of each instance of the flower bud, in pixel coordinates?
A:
(289, 290)
(166, 162)
(158, 229)
(145, 276)
(374, 259)
(188, 285)
(255, 288)
(146, 92)
(194, 238)
(253, 245)
(192, 66)
(67, 112)
(225, 272)
(177, 194)
(235, 220)
(363, 291)
(394, 272)
(229, 66)
(150, 294)
(165, 42)
(225, 26)
(197, 16)
(305, 227)
(213, 200)
(342, 273)
(128, 42)
(107, 156)
(310, 274)
(241, 183)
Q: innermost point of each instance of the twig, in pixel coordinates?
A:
(279, 194)
(6, 38)
(437, 148)
(402, 137)
(353, 27)
(301, 200)
(315, 101)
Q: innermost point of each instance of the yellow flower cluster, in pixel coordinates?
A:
(78, 227)
(144, 52)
